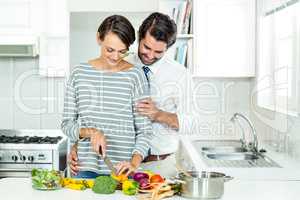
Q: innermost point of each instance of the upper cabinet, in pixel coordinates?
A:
(113, 5)
(36, 27)
(18, 28)
(224, 38)
(18, 17)
(54, 39)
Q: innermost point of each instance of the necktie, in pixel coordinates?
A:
(146, 71)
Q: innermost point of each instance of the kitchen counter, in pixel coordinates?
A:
(289, 168)
(20, 188)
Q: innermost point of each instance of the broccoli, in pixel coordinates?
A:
(104, 185)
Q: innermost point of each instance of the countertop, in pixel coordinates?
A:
(20, 188)
(289, 167)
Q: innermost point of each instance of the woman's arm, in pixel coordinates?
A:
(143, 128)
(72, 126)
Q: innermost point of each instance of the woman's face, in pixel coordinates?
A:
(112, 49)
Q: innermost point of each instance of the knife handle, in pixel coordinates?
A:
(100, 150)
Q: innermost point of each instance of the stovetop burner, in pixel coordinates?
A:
(29, 139)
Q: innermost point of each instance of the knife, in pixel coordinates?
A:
(108, 162)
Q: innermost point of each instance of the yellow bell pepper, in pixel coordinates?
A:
(120, 178)
(130, 187)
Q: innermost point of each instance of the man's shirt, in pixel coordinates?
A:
(170, 85)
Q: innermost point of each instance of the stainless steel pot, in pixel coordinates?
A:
(203, 185)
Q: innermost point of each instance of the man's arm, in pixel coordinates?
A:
(167, 118)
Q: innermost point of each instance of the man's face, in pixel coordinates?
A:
(151, 50)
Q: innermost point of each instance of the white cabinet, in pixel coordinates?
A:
(54, 39)
(112, 5)
(18, 28)
(224, 38)
(39, 24)
(17, 17)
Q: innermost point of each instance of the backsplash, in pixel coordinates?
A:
(31, 101)
(215, 101)
(28, 100)
(279, 131)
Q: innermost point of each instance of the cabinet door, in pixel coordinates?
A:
(17, 17)
(113, 6)
(225, 38)
(54, 39)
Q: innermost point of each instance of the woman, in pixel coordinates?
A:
(99, 104)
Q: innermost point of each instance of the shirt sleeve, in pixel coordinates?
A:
(70, 124)
(142, 124)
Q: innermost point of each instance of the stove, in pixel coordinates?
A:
(23, 150)
(29, 139)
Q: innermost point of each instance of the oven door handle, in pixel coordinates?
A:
(15, 170)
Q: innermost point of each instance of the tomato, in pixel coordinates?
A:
(156, 178)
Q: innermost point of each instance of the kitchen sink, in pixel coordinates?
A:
(230, 153)
(223, 149)
(232, 156)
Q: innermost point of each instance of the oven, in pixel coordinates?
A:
(23, 150)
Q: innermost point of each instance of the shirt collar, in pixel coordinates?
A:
(154, 67)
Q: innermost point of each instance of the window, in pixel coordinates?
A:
(278, 58)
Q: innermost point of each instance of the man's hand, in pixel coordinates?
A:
(73, 160)
(97, 139)
(148, 108)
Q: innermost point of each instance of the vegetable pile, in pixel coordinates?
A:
(147, 180)
(44, 179)
(154, 187)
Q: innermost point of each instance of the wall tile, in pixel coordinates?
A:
(27, 113)
(51, 121)
(6, 117)
(6, 77)
(26, 77)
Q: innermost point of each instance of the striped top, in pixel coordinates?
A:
(106, 101)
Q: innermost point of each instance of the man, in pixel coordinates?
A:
(168, 81)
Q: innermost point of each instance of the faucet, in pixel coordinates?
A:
(254, 145)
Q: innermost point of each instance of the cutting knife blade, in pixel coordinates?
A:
(107, 162)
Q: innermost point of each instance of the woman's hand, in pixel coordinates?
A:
(97, 139)
(73, 160)
(129, 168)
(126, 168)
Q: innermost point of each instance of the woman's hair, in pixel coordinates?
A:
(161, 27)
(120, 26)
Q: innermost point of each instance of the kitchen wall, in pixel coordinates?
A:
(279, 131)
(30, 101)
(215, 99)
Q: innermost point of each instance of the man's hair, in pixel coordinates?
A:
(161, 27)
(120, 26)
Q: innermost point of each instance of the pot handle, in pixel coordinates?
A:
(227, 178)
(177, 180)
